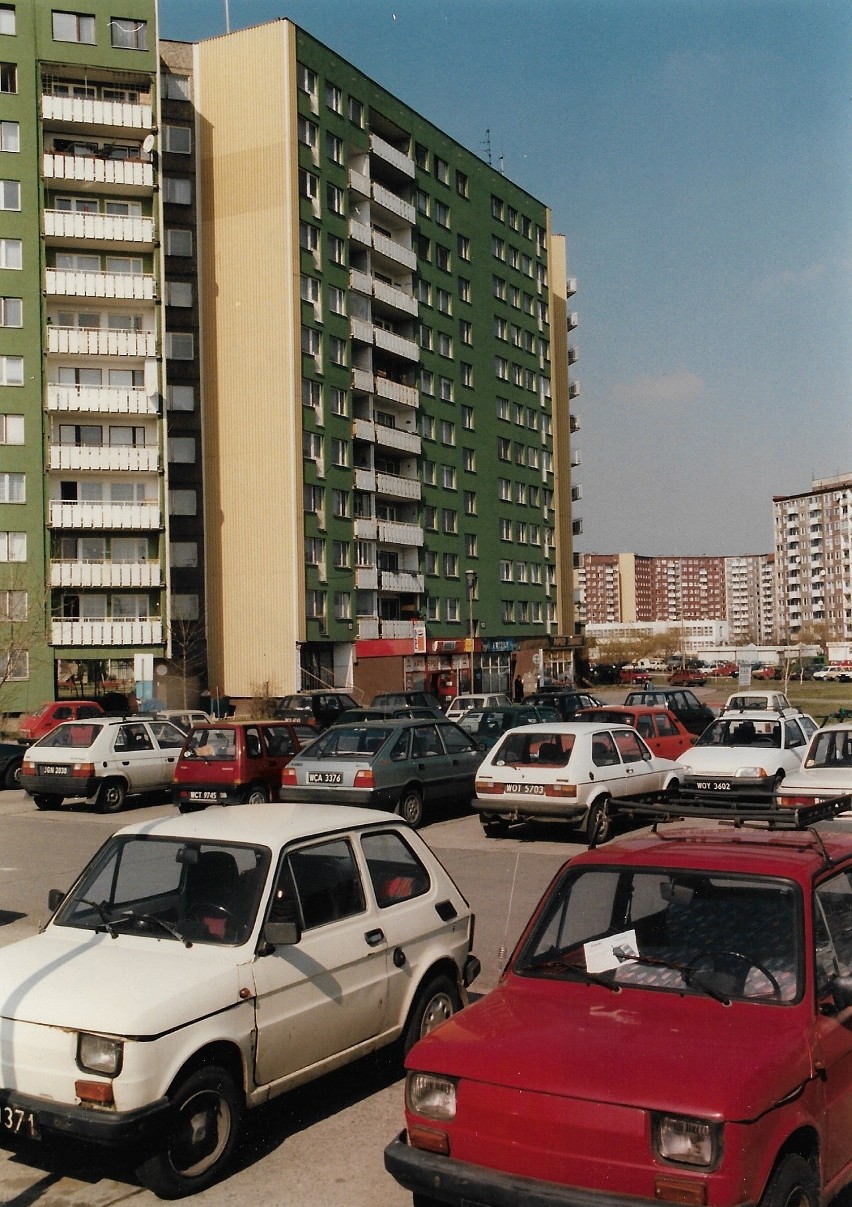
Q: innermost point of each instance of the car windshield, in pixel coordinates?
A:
(693, 932)
(212, 743)
(520, 749)
(742, 731)
(832, 748)
(169, 889)
(72, 735)
(349, 741)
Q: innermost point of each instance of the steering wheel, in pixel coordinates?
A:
(200, 911)
(719, 957)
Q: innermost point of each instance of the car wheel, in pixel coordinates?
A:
(111, 796)
(437, 1001)
(256, 795)
(48, 801)
(205, 1121)
(12, 778)
(410, 806)
(495, 827)
(793, 1184)
(599, 822)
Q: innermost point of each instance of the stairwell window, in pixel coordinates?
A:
(11, 429)
(13, 546)
(7, 19)
(11, 370)
(128, 33)
(10, 194)
(11, 312)
(13, 488)
(10, 136)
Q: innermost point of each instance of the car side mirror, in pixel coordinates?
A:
(282, 934)
(841, 992)
(54, 899)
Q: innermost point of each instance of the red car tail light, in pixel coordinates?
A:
(482, 787)
(364, 779)
(560, 789)
(288, 777)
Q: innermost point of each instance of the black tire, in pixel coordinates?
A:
(436, 1001)
(410, 806)
(12, 778)
(421, 1200)
(793, 1184)
(207, 1113)
(111, 796)
(599, 822)
(257, 794)
(47, 801)
(495, 827)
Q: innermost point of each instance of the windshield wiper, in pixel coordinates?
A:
(560, 964)
(689, 973)
(105, 918)
(153, 919)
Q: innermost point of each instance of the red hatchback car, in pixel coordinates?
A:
(673, 1027)
(235, 762)
(660, 728)
(38, 724)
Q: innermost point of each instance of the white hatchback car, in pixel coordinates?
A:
(826, 769)
(459, 705)
(576, 770)
(746, 753)
(203, 964)
(102, 759)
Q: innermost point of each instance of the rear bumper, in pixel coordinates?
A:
(59, 785)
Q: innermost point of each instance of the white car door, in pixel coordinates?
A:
(137, 756)
(326, 993)
(641, 768)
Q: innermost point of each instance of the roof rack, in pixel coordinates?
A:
(742, 811)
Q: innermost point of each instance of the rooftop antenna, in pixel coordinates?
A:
(487, 145)
(227, 17)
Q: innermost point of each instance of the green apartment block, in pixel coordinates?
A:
(285, 388)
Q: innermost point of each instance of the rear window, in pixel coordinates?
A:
(348, 741)
(72, 736)
(211, 743)
(522, 749)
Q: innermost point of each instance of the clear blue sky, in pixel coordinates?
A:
(697, 155)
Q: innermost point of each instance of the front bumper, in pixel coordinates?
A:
(443, 1180)
(95, 1125)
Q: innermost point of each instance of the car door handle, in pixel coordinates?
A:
(375, 937)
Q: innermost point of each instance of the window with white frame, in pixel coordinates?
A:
(465, 290)
(334, 148)
(505, 530)
(448, 432)
(13, 546)
(466, 372)
(10, 194)
(335, 199)
(308, 184)
(315, 605)
(13, 488)
(448, 477)
(177, 139)
(333, 97)
(445, 389)
(10, 136)
(178, 242)
(311, 394)
(445, 301)
(308, 132)
(11, 429)
(342, 605)
(11, 253)
(469, 460)
(467, 416)
(73, 27)
(449, 521)
(341, 555)
(175, 87)
(452, 609)
(179, 293)
(470, 502)
(180, 345)
(337, 350)
(505, 572)
(340, 453)
(308, 237)
(177, 190)
(15, 666)
(13, 605)
(314, 551)
(338, 401)
(340, 504)
(307, 79)
(450, 564)
(11, 370)
(11, 312)
(7, 19)
(427, 382)
(337, 250)
(336, 300)
(128, 33)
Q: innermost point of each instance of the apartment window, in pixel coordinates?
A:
(466, 371)
(10, 136)
(427, 427)
(313, 499)
(337, 350)
(179, 293)
(427, 382)
(498, 247)
(504, 449)
(445, 389)
(445, 343)
(469, 460)
(178, 242)
(466, 332)
(470, 502)
(464, 287)
(498, 288)
(342, 605)
(470, 546)
(128, 33)
(424, 292)
(334, 148)
(11, 370)
(308, 237)
(311, 393)
(450, 563)
(356, 112)
(445, 301)
(341, 555)
(462, 184)
(421, 156)
(314, 551)
(15, 666)
(307, 79)
(430, 518)
(10, 194)
(13, 546)
(308, 132)
(177, 139)
(448, 432)
(8, 77)
(430, 562)
(183, 555)
(425, 337)
(334, 98)
(181, 450)
(442, 257)
(177, 190)
(340, 453)
(175, 87)
(335, 199)
(11, 429)
(505, 530)
(7, 19)
(467, 418)
(11, 312)
(448, 477)
(315, 605)
(422, 201)
(338, 402)
(312, 446)
(180, 345)
(13, 488)
(185, 607)
(428, 472)
(181, 398)
(423, 247)
(183, 502)
(310, 341)
(442, 170)
(442, 214)
(308, 185)
(310, 289)
(340, 504)
(501, 368)
(337, 250)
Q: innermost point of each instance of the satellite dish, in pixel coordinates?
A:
(148, 144)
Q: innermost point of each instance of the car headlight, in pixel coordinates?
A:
(751, 773)
(99, 1054)
(686, 1141)
(431, 1096)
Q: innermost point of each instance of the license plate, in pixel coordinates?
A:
(18, 1122)
(197, 794)
(53, 769)
(325, 777)
(713, 785)
(524, 789)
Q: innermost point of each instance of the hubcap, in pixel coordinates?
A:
(201, 1134)
(439, 1009)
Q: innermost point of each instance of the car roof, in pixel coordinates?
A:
(269, 824)
(640, 710)
(577, 727)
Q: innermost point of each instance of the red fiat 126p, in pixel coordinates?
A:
(674, 1026)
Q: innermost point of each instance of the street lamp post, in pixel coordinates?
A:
(472, 578)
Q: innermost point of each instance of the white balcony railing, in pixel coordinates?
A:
(402, 162)
(359, 182)
(106, 228)
(85, 111)
(100, 400)
(393, 204)
(139, 517)
(391, 295)
(396, 628)
(368, 628)
(140, 287)
(360, 232)
(86, 341)
(102, 457)
(365, 479)
(397, 438)
(401, 580)
(362, 379)
(392, 533)
(366, 578)
(397, 487)
(364, 429)
(124, 173)
(394, 250)
(362, 330)
(106, 632)
(397, 392)
(365, 528)
(397, 344)
(105, 574)
(360, 282)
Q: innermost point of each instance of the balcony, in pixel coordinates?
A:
(362, 379)
(397, 159)
(87, 341)
(366, 578)
(396, 628)
(398, 345)
(360, 232)
(396, 487)
(401, 581)
(392, 250)
(396, 298)
(574, 389)
(106, 632)
(368, 628)
(127, 517)
(359, 182)
(107, 116)
(105, 574)
(84, 458)
(114, 231)
(95, 400)
(360, 282)
(397, 438)
(396, 391)
(393, 533)
(393, 204)
(573, 319)
(134, 176)
(140, 287)
(570, 287)
(365, 528)
(572, 354)
(361, 330)
(365, 479)
(364, 429)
